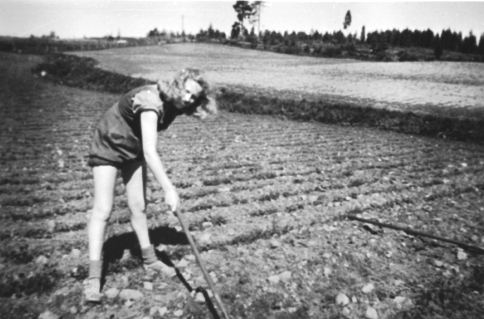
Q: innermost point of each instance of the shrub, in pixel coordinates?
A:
(438, 51)
(332, 51)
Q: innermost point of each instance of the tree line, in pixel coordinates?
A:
(250, 12)
(379, 40)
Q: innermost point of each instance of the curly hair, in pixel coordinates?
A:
(170, 90)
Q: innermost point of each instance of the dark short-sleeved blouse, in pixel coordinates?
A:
(117, 137)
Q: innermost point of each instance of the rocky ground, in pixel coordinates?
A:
(267, 201)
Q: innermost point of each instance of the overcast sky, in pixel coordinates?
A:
(79, 18)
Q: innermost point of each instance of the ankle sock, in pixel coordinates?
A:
(148, 254)
(95, 269)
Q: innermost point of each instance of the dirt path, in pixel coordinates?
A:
(265, 199)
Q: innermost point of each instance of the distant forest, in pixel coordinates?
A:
(377, 40)
(340, 45)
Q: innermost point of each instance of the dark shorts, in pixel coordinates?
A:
(114, 142)
(96, 161)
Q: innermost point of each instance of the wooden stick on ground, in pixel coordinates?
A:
(200, 263)
(417, 233)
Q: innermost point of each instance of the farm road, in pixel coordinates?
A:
(265, 199)
(394, 85)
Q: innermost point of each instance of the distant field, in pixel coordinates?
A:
(413, 86)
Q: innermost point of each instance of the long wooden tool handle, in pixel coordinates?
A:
(417, 233)
(200, 263)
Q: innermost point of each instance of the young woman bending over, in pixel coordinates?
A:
(125, 139)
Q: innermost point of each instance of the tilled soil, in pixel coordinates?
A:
(266, 201)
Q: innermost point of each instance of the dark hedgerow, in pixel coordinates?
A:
(348, 114)
(80, 72)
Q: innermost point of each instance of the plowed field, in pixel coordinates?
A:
(266, 200)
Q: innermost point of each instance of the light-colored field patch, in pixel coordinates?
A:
(445, 84)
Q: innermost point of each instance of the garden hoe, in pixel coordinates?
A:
(200, 263)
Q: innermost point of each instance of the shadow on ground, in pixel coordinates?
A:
(115, 248)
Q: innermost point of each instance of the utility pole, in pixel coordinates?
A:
(183, 28)
(258, 5)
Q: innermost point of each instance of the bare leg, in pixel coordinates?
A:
(135, 178)
(104, 182)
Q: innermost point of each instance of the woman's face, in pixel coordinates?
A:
(190, 96)
(191, 92)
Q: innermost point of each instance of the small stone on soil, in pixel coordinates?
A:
(368, 288)
(274, 279)
(112, 293)
(371, 313)
(346, 312)
(461, 255)
(285, 276)
(131, 294)
(199, 298)
(206, 225)
(398, 282)
(41, 260)
(51, 226)
(274, 244)
(162, 311)
(205, 238)
(223, 190)
(48, 315)
(75, 253)
(125, 280)
(182, 263)
(403, 302)
(154, 310)
(342, 299)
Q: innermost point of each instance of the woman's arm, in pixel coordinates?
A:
(149, 123)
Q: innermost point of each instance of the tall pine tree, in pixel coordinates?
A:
(363, 34)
